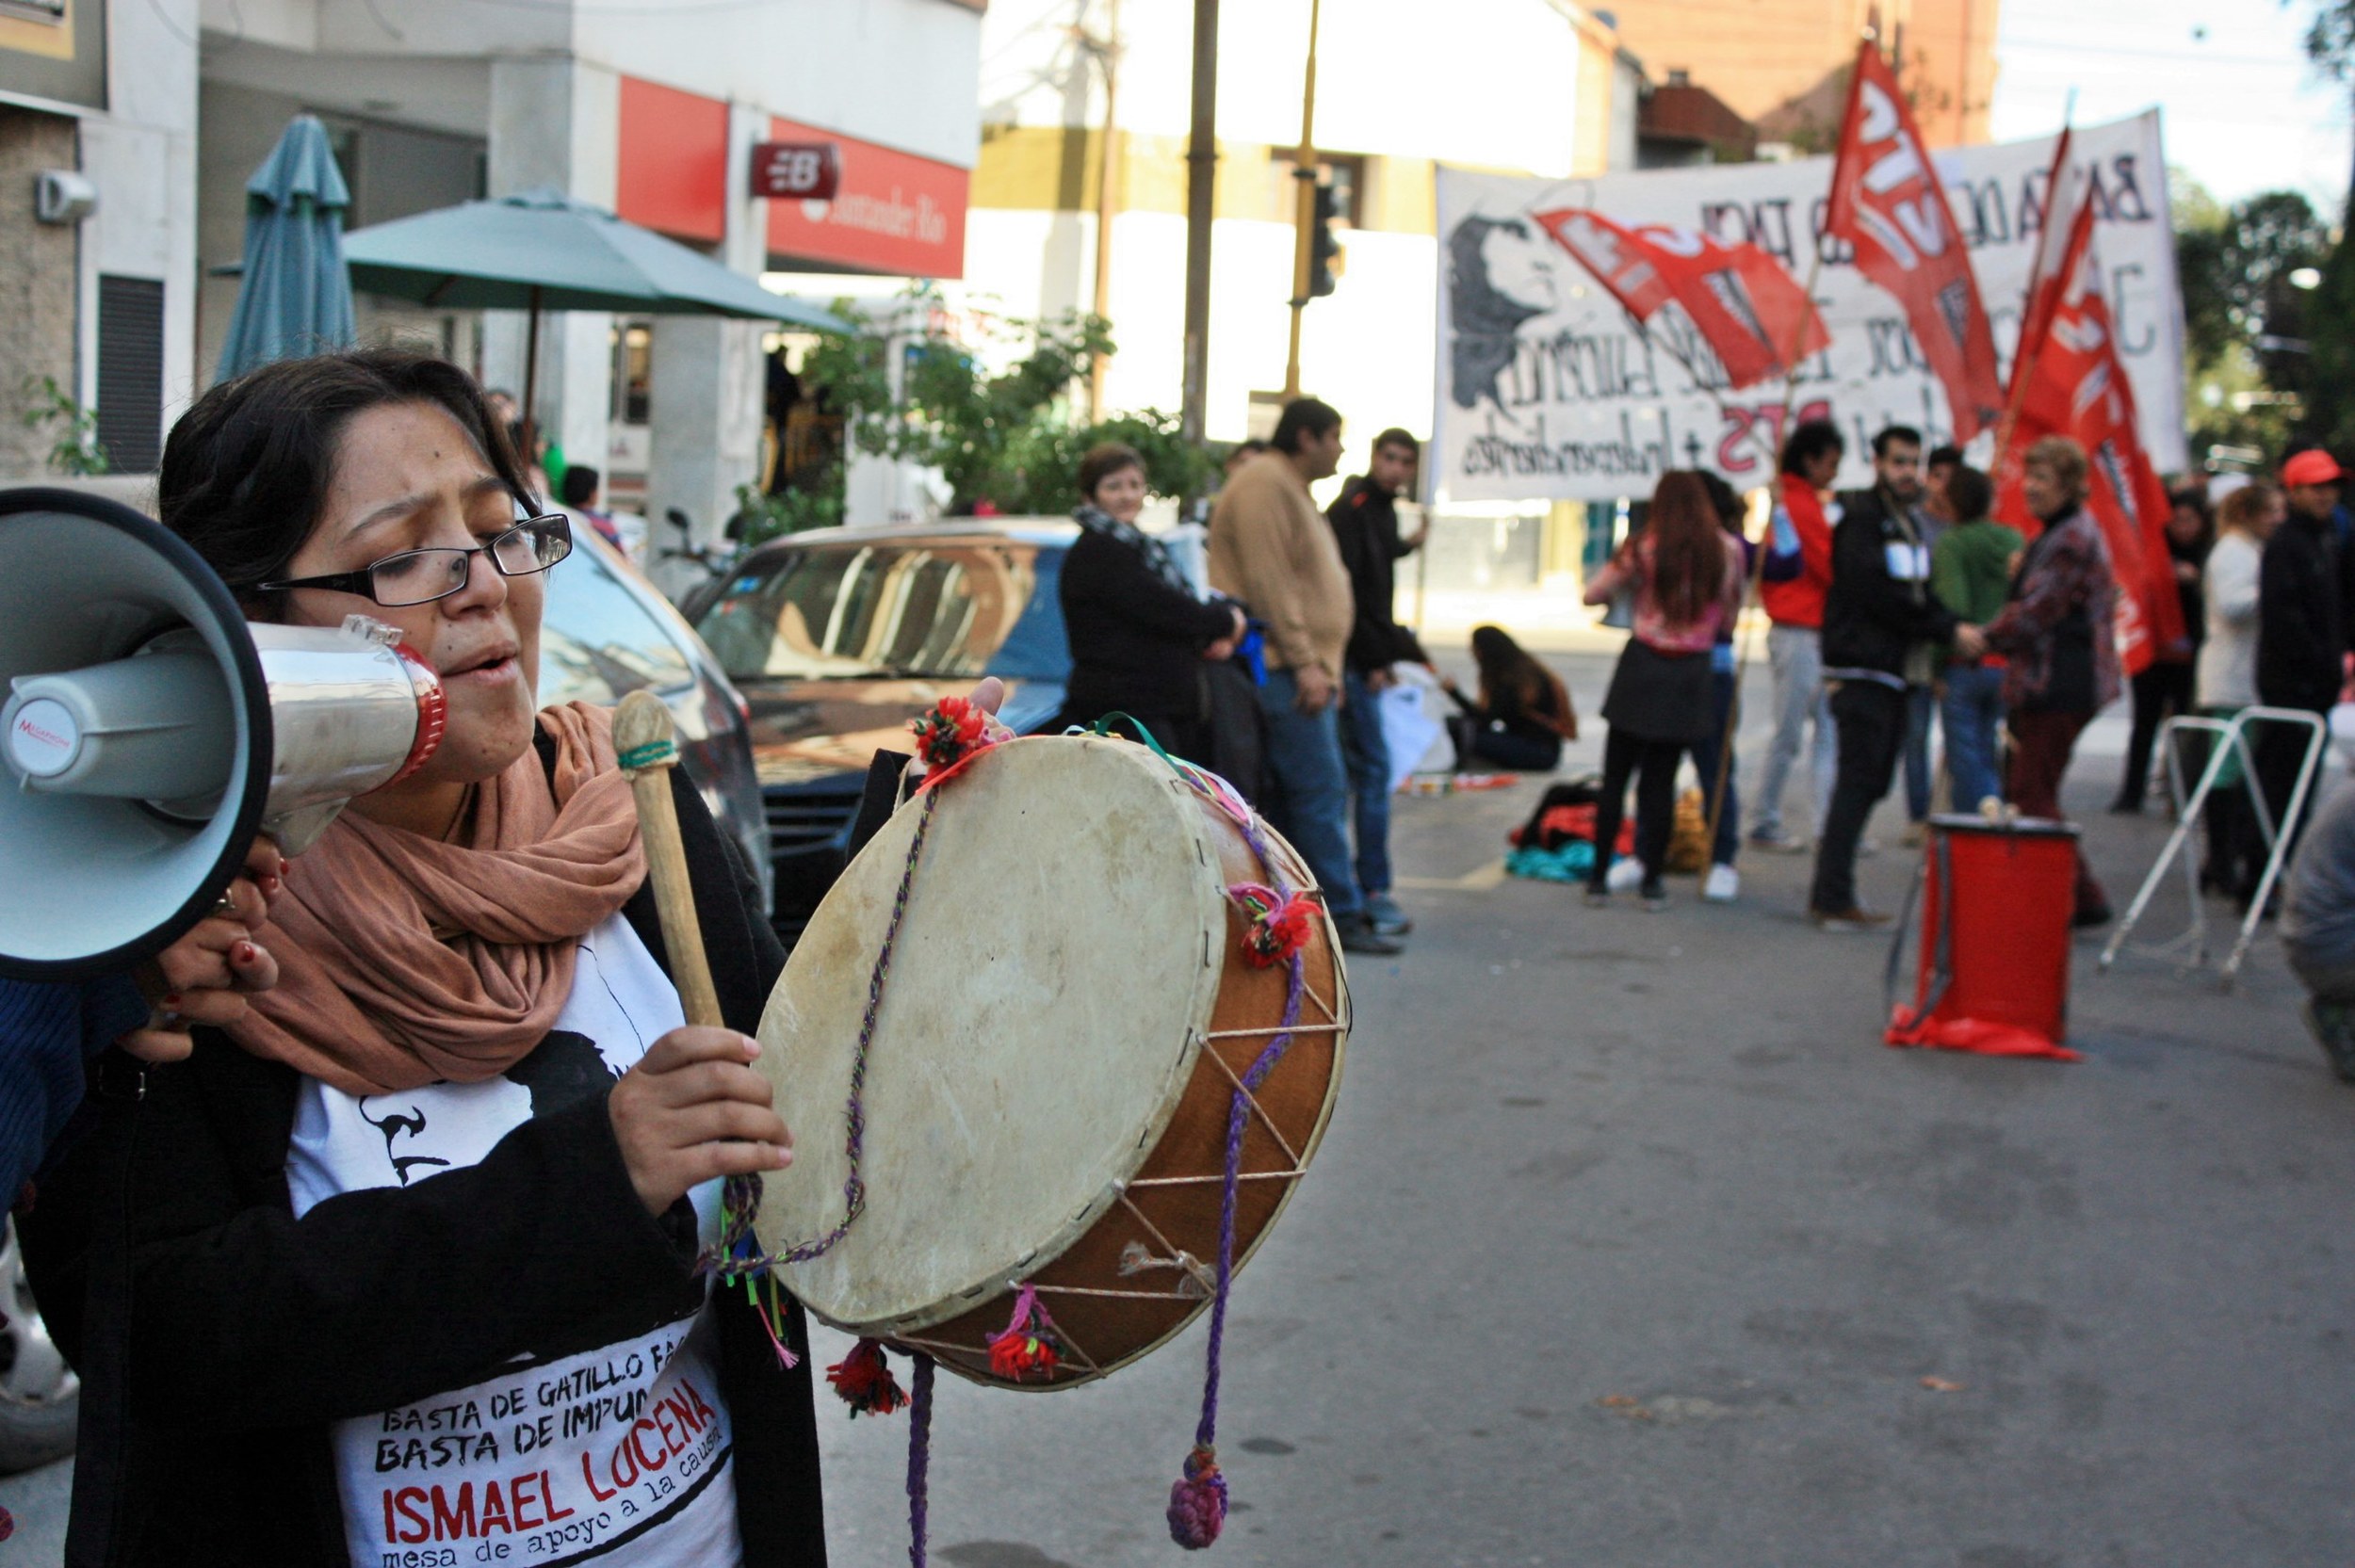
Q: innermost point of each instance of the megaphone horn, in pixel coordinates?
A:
(150, 732)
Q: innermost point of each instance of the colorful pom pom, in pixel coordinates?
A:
(950, 733)
(1197, 1503)
(1028, 1343)
(1279, 925)
(863, 1380)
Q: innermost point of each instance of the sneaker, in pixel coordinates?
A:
(1655, 897)
(1624, 876)
(1779, 843)
(1723, 885)
(1359, 936)
(2333, 1027)
(1849, 921)
(1389, 919)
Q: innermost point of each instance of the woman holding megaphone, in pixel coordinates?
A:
(400, 1263)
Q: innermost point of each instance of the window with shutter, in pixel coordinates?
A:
(131, 372)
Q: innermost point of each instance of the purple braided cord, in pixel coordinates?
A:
(920, 1457)
(740, 1195)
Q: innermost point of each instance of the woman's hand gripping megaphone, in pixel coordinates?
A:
(205, 977)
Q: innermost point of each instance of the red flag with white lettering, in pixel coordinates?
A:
(1888, 202)
(2068, 229)
(1753, 315)
(2076, 386)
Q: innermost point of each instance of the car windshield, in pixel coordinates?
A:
(949, 611)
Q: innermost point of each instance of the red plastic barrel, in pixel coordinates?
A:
(1994, 973)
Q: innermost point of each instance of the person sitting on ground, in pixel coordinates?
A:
(1140, 637)
(1971, 574)
(1523, 713)
(1687, 576)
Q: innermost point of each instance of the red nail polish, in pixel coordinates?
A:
(269, 882)
(172, 1000)
(244, 952)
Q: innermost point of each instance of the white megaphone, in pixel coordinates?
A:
(150, 732)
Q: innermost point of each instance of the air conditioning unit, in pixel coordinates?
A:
(62, 196)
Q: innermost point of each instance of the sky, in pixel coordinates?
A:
(2243, 112)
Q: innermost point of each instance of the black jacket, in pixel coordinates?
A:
(1136, 641)
(2299, 634)
(218, 1336)
(1871, 619)
(1365, 525)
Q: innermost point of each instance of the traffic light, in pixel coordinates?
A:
(1324, 251)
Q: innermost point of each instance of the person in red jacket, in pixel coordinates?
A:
(1792, 582)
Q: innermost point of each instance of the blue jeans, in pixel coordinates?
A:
(1921, 706)
(1705, 754)
(1972, 712)
(1309, 800)
(1368, 756)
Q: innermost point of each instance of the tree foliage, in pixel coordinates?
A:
(988, 402)
(2242, 315)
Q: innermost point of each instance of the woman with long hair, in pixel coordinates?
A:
(1523, 713)
(1142, 640)
(1685, 573)
(406, 1257)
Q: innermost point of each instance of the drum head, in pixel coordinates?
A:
(1047, 997)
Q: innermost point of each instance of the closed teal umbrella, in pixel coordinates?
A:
(296, 295)
(544, 250)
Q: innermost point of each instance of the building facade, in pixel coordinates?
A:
(1782, 64)
(98, 299)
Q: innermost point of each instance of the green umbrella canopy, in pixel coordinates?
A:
(544, 250)
(295, 297)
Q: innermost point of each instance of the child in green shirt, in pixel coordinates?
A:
(1971, 574)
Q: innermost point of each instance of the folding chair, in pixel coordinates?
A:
(2232, 739)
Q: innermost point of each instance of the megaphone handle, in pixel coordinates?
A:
(642, 734)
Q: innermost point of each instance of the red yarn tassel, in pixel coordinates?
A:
(1027, 1344)
(863, 1380)
(1197, 1503)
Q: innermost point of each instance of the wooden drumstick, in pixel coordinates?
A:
(642, 737)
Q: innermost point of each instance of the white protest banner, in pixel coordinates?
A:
(1547, 389)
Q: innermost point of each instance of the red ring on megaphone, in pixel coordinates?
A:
(432, 712)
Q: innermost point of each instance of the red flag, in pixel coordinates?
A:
(1888, 202)
(2076, 386)
(1753, 313)
(2059, 246)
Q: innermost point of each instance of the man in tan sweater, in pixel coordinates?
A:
(1271, 548)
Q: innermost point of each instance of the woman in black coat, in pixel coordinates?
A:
(1140, 640)
(402, 1265)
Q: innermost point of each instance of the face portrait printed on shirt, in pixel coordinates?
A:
(563, 1069)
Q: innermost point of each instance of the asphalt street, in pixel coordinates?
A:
(1630, 1244)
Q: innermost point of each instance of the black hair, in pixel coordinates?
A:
(1102, 461)
(578, 486)
(1724, 501)
(1396, 437)
(1949, 455)
(1302, 416)
(247, 469)
(1890, 435)
(1252, 447)
(1810, 439)
(1969, 494)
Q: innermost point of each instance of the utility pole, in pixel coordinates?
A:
(1107, 172)
(1201, 189)
(1304, 205)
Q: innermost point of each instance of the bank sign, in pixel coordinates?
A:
(1547, 388)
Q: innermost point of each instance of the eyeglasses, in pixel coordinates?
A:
(421, 576)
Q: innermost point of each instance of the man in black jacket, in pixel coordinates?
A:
(1365, 525)
(1879, 611)
(2301, 632)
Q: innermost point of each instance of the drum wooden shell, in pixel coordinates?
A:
(1065, 1022)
